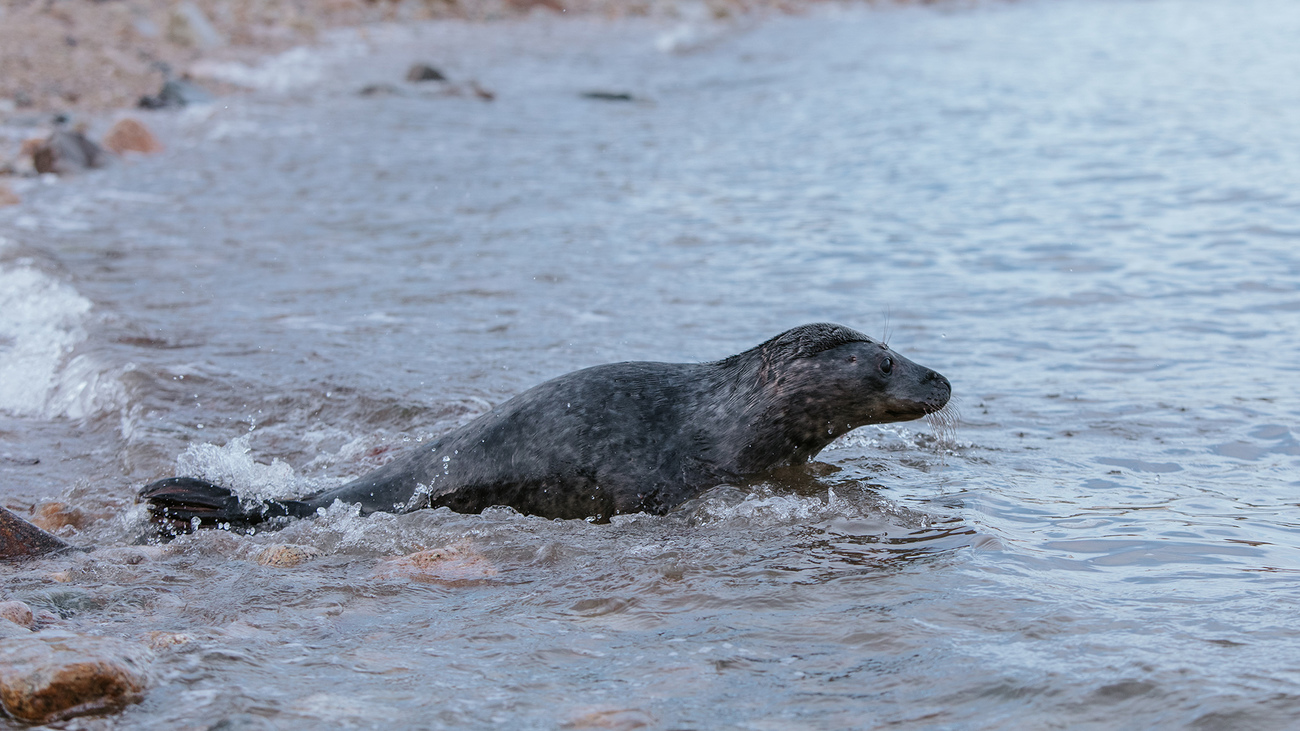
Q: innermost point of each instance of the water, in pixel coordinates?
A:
(1085, 214)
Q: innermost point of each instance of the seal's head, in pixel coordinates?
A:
(837, 375)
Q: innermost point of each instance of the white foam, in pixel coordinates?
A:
(294, 69)
(41, 321)
(232, 466)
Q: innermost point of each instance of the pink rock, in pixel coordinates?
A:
(55, 675)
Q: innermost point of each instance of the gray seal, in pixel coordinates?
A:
(621, 438)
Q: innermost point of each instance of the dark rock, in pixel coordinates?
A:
(67, 151)
(20, 539)
(53, 675)
(176, 93)
(379, 90)
(424, 72)
(609, 96)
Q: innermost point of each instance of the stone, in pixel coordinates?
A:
(176, 93)
(16, 612)
(131, 135)
(286, 555)
(9, 629)
(609, 96)
(424, 72)
(450, 565)
(7, 196)
(379, 90)
(53, 516)
(160, 639)
(67, 151)
(54, 675)
(20, 539)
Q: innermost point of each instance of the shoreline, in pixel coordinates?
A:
(93, 63)
(95, 57)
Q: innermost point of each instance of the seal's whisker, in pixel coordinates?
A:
(944, 425)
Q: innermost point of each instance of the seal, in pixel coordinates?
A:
(620, 438)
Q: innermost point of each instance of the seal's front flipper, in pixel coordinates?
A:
(182, 504)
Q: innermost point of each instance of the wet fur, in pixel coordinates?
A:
(624, 437)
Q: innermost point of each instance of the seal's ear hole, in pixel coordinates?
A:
(886, 365)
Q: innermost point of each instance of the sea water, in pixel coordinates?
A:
(1085, 214)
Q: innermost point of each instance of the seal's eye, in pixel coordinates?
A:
(853, 359)
(887, 365)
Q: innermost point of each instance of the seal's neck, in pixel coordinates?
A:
(771, 420)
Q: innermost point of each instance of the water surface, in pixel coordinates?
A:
(1085, 214)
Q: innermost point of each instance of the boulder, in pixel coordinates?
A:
(67, 151)
(130, 135)
(20, 539)
(424, 72)
(17, 612)
(53, 675)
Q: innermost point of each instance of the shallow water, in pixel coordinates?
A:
(1085, 214)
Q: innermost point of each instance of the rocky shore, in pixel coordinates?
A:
(57, 55)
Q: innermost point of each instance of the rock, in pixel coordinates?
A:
(20, 539)
(609, 96)
(424, 72)
(17, 612)
(130, 135)
(451, 565)
(67, 151)
(9, 629)
(159, 639)
(7, 196)
(481, 93)
(53, 675)
(286, 555)
(53, 516)
(612, 718)
(378, 90)
(176, 93)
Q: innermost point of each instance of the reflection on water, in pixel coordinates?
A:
(1084, 214)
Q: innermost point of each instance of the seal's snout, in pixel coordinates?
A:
(941, 391)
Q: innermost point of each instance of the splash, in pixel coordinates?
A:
(232, 466)
(41, 321)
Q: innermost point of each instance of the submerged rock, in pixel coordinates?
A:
(424, 72)
(286, 555)
(20, 539)
(18, 613)
(130, 135)
(176, 93)
(53, 516)
(7, 196)
(10, 629)
(49, 676)
(452, 565)
(67, 151)
(609, 96)
(379, 90)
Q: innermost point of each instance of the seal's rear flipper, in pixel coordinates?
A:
(181, 504)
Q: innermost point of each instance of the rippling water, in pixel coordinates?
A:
(1085, 214)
